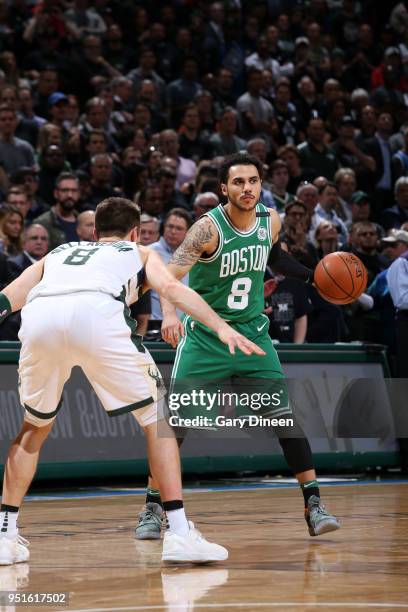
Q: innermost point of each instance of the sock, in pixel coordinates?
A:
(309, 488)
(153, 496)
(8, 521)
(177, 517)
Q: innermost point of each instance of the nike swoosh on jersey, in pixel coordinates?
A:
(227, 241)
(262, 326)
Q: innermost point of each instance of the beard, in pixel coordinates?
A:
(67, 205)
(237, 204)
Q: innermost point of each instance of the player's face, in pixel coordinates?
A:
(243, 188)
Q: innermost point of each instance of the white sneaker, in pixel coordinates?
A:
(191, 548)
(13, 551)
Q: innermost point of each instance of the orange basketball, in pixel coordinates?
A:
(340, 277)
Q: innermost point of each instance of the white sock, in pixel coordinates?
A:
(178, 521)
(8, 524)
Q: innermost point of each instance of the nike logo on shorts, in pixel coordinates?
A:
(260, 328)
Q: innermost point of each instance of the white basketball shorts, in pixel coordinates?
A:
(94, 331)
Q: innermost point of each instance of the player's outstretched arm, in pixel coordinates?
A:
(160, 279)
(14, 296)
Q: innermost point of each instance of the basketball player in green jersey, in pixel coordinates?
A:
(225, 254)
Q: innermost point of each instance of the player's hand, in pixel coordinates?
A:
(172, 329)
(234, 340)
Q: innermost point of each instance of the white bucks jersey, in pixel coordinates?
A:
(114, 268)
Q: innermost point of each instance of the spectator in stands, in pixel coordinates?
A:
(279, 177)
(345, 181)
(182, 91)
(193, 142)
(288, 126)
(35, 246)
(60, 221)
(146, 70)
(14, 152)
(47, 85)
(368, 124)
(379, 149)
(101, 179)
(314, 153)
(224, 89)
(360, 209)
(395, 216)
(172, 197)
(255, 112)
(294, 234)
(49, 134)
(26, 107)
(309, 195)
(151, 200)
(297, 175)
(26, 129)
(52, 163)
(394, 245)
(365, 243)
(307, 99)
(326, 238)
(149, 229)
(203, 202)
(175, 226)
(85, 19)
(27, 178)
(17, 197)
(225, 141)
(11, 231)
(326, 210)
(85, 224)
(349, 154)
(185, 168)
(400, 158)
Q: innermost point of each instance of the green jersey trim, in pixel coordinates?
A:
(237, 231)
(220, 242)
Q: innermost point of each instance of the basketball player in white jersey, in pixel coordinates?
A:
(75, 312)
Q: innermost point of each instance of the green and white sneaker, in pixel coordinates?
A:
(150, 522)
(318, 519)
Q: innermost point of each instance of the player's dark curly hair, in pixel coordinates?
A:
(238, 159)
(116, 217)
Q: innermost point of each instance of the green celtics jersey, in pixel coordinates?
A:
(231, 280)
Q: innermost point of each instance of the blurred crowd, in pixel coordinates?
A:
(144, 100)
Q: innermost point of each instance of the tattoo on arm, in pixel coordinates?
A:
(193, 245)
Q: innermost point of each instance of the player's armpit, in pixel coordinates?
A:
(18, 290)
(276, 224)
(202, 238)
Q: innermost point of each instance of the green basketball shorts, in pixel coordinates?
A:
(205, 372)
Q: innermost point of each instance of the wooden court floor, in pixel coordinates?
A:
(86, 547)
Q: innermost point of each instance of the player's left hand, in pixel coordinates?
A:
(234, 339)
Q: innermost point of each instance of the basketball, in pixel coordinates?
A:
(340, 277)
